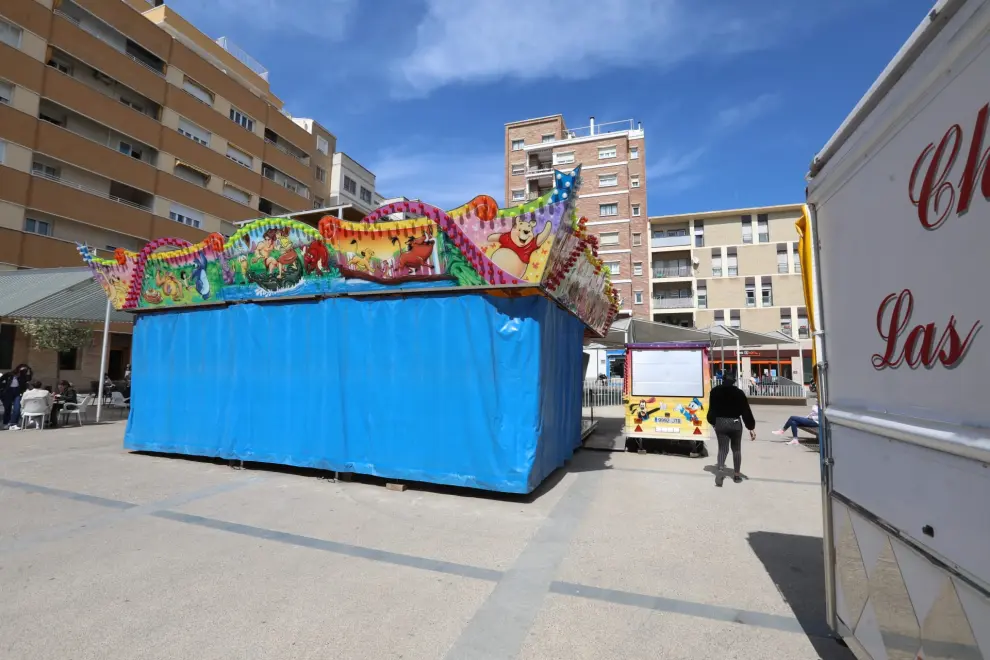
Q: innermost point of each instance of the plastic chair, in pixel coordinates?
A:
(118, 401)
(77, 409)
(34, 409)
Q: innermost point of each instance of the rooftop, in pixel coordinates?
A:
(718, 214)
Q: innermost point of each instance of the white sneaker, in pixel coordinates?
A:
(779, 432)
(13, 427)
(794, 442)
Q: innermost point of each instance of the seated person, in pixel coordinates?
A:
(64, 394)
(36, 391)
(794, 423)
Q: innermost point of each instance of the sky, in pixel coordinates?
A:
(735, 96)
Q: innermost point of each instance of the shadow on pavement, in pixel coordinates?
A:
(796, 566)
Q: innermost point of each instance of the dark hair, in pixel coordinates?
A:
(728, 380)
(36, 384)
(65, 383)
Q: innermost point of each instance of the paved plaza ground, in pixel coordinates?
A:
(107, 554)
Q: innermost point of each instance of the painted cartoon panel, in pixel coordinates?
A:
(668, 417)
(477, 244)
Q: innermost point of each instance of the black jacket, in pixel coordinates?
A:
(731, 402)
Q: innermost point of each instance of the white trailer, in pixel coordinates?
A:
(899, 210)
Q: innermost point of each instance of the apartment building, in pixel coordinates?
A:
(120, 122)
(613, 193)
(740, 268)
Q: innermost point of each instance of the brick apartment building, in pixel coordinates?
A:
(613, 193)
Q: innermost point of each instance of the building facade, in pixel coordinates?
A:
(120, 123)
(613, 193)
(740, 268)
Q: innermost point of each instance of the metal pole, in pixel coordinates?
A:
(103, 363)
(779, 373)
(739, 374)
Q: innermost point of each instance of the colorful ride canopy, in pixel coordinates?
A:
(541, 243)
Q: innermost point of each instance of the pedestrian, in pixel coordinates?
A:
(12, 385)
(794, 422)
(726, 405)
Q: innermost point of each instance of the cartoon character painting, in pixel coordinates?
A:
(316, 258)
(690, 411)
(419, 250)
(515, 248)
(362, 260)
(169, 286)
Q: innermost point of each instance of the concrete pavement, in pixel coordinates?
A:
(107, 554)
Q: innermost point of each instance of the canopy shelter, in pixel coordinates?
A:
(68, 294)
(721, 335)
(636, 331)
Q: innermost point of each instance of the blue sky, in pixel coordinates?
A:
(736, 96)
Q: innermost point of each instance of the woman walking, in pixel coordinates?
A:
(726, 404)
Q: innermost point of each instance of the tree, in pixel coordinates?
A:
(56, 335)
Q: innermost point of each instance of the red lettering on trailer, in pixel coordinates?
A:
(920, 347)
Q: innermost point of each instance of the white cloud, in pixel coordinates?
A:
(737, 116)
(673, 164)
(482, 40)
(444, 179)
(324, 19)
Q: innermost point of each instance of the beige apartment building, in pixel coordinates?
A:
(740, 268)
(120, 122)
(613, 193)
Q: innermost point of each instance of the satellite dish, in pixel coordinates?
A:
(694, 260)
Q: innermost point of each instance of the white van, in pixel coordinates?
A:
(899, 210)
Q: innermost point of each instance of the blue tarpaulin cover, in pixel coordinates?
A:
(462, 389)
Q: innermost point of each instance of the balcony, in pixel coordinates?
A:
(540, 170)
(102, 157)
(115, 38)
(287, 182)
(586, 131)
(670, 241)
(89, 206)
(69, 36)
(671, 271)
(283, 158)
(71, 93)
(536, 194)
(662, 302)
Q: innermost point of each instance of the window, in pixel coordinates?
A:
(350, 185)
(3, 151)
(241, 119)
(321, 174)
(763, 228)
(548, 138)
(322, 145)
(194, 132)
(613, 267)
(803, 324)
(42, 227)
(747, 229)
(318, 202)
(797, 260)
(635, 210)
(781, 259)
(185, 215)
(68, 360)
(609, 238)
(766, 293)
(637, 239)
(197, 91)
(518, 168)
(785, 322)
(638, 268)
(517, 145)
(634, 181)
(717, 264)
(239, 157)
(132, 105)
(606, 152)
(61, 66)
(7, 92)
(365, 195)
(236, 194)
(734, 318)
(733, 265)
(10, 34)
(191, 174)
(633, 153)
(608, 209)
(638, 297)
(518, 195)
(702, 296)
(608, 180)
(8, 332)
(47, 171)
(699, 233)
(750, 295)
(563, 158)
(128, 149)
